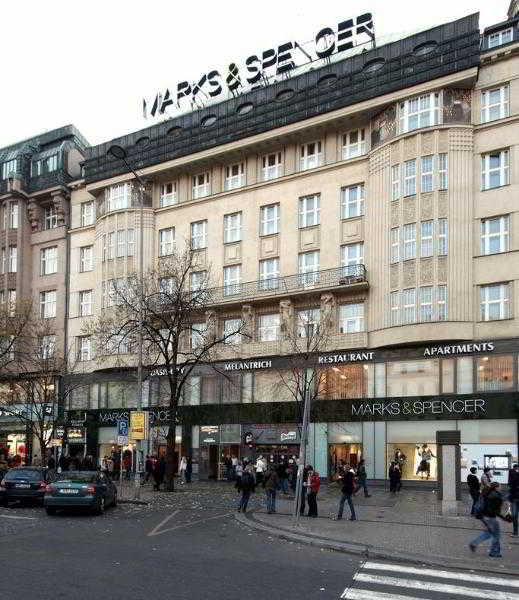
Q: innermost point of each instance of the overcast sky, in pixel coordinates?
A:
(91, 63)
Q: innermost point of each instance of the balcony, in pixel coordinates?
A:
(351, 277)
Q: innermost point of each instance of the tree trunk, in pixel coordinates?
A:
(169, 484)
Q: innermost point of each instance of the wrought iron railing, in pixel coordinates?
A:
(282, 286)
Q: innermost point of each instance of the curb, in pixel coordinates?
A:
(139, 502)
(368, 552)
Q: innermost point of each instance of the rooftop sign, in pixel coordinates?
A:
(261, 69)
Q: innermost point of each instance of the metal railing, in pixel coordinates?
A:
(282, 286)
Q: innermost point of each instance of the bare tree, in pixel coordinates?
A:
(179, 327)
(14, 321)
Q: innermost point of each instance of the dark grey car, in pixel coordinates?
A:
(24, 484)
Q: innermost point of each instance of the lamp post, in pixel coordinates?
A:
(120, 153)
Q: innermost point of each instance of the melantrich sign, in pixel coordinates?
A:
(256, 70)
(414, 408)
(248, 365)
(459, 349)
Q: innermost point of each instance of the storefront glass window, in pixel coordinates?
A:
(274, 387)
(231, 389)
(448, 376)
(413, 378)
(488, 431)
(79, 398)
(192, 391)
(230, 434)
(210, 390)
(102, 395)
(348, 381)
(380, 380)
(246, 387)
(122, 394)
(464, 374)
(94, 395)
(495, 373)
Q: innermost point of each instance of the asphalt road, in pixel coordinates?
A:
(192, 550)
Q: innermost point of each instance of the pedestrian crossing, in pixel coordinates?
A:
(393, 581)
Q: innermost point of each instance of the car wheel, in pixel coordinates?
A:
(50, 510)
(114, 503)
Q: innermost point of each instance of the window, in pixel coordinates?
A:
(166, 241)
(395, 182)
(50, 163)
(494, 170)
(13, 256)
(269, 219)
(499, 38)
(87, 213)
(86, 258)
(166, 287)
(494, 104)
(231, 331)
(268, 327)
(234, 176)
(49, 260)
(426, 303)
(309, 210)
(168, 194)
(9, 167)
(495, 301)
(232, 280)
(352, 201)
(199, 235)
(443, 171)
(272, 166)
(410, 177)
(118, 196)
(13, 215)
(47, 346)
(494, 235)
(409, 306)
(353, 143)
(309, 268)
(418, 112)
(51, 218)
(84, 348)
(310, 156)
(198, 331)
(351, 255)
(443, 237)
(409, 241)
(441, 301)
(427, 173)
(351, 318)
(495, 373)
(269, 274)
(413, 378)
(232, 228)
(426, 239)
(198, 280)
(394, 306)
(308, 322)
(11, 301)
(85, 303)
(48, 304)
(4, 259)
(201, 185)
(395, 244)
(121, 243)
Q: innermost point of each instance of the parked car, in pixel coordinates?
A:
(24, 484)
(80, 489)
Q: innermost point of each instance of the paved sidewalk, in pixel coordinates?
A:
(408, 526)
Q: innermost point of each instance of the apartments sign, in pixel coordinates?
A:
(258, 69)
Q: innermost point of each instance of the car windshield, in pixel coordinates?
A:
(32, 475)
(77, 477)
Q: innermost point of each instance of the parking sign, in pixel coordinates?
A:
(122, 432)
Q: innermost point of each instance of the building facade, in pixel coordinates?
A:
(376, 194)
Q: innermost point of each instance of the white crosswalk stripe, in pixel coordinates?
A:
(386, 581)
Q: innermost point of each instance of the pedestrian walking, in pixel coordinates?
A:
(283, 476)
(394, 477)
(362, 477)
(189, 469)
(247, 486)
(348, 489)
(486, 479)
(261, 465)
(239, 473)
(474, 488)
(313, 486)
(491, 511)
(271, 484)
(182, 470)
(292, 475)
(148, 469)
(159, 471)
(513, 489)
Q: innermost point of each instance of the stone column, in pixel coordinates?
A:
(449, 469)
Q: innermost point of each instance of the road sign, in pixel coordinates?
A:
(139, 425)
(122, 432)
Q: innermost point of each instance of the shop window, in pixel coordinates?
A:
(230, 434)
(247, 386)
(121, 395)
(417, 461)
(210, 390)
(464, 375)
(448, 376)
(191, 391)
(231, 389)
(348, 381)
(78, 398)
(274, 387)
(488, 431)
(494, 373)
(413, 378)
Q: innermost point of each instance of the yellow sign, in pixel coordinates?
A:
(139, 425)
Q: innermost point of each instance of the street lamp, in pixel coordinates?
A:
(120, 153)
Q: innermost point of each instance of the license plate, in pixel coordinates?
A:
(25, 486)
(69, 491)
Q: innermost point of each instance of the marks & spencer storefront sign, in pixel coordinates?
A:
(436, 407)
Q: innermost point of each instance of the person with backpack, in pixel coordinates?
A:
(474, 491)
(486, 479)
(348, 489)
(313, 485)
(489, 508)
(271, 484)
(247, 487)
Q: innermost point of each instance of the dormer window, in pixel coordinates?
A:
(44, 165)
(8, 167)
(500, 37)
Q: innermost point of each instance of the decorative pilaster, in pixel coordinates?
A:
(286, 318)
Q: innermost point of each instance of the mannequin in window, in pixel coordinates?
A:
(425, 454)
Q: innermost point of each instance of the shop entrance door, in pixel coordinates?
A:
(277, 454)
(342, 454)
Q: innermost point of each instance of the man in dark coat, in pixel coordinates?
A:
(159, 471)
(247, 486)
(473, 483)
(491, 513)
(189, 469)
(363, 476)
(348, 489)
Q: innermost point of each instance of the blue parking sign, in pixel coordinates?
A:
(122, 427)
